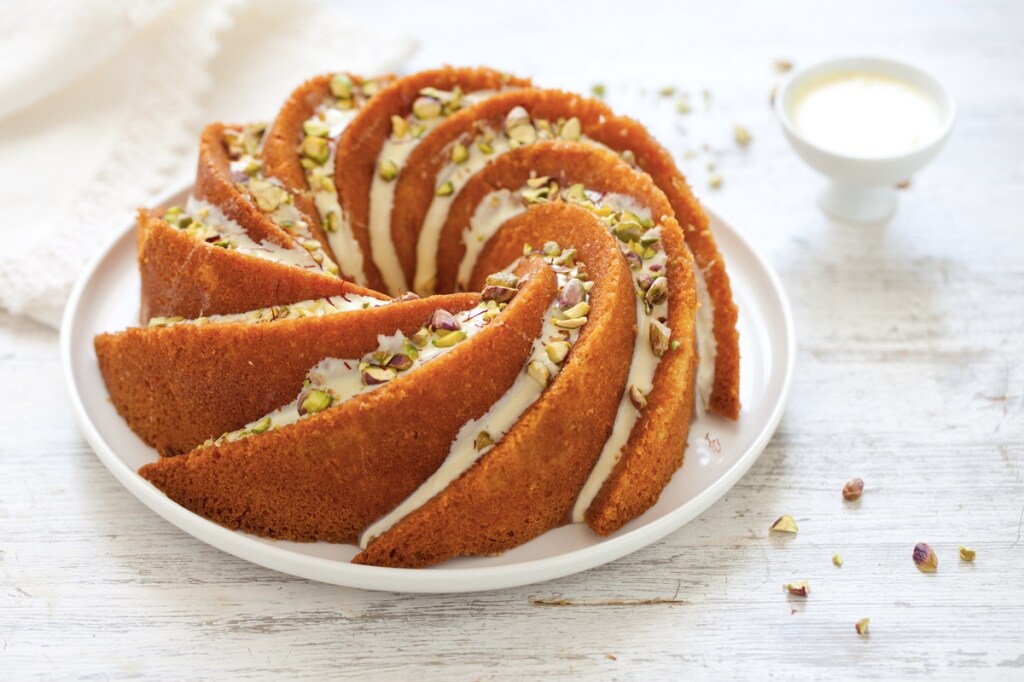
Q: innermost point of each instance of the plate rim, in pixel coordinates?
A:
(433, 580)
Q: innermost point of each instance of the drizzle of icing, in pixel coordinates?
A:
(209, 223)
(342, 378)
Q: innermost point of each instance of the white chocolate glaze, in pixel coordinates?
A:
(642, 367)
(320, 179)
(707, 345)
(496, 422)
(316, 307)
(491, 213)
(342, 378)
(215, 222)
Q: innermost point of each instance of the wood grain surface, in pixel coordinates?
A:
(910, 375)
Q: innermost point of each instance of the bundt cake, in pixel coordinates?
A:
(312, 366)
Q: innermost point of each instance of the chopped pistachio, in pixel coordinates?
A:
(388, 170)
(837, 560)
(485, 148)
(853, 489)
(516, 117)
(657, 292)
(316, 149)
(400, 361)
(784, 524)
(634, 260)
(572, 294)
(675, 344)
(967, 554)
(557, 350)
(502, 279)
(370, 88)
(539, 373)
(571, 130)
(269, 196)
(579, 310)
(924, 558)
(261, 426)
(399, 126)
(331, 224)
(799, 588)
(444, 321)
(576, 194)
(417, 130)
(445, 190)
(551, 249)
(741, 135)
(637, 397)
(341, 86)
(315, 128)
(523, 134)
(667, 91)
(497, 293)
(450, 339)
(660, 334)
(574, 323)
(421, 337)
(861, 626)
(683, 106)
(627, 231)
(315, 401)
(459, 153)
(783, 65)
(598, 90)
(715, 181)
(426, 108)
(373, 375)
(483, 439)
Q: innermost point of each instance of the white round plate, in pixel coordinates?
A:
(106, 298)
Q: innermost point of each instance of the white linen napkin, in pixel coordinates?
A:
(101, 105)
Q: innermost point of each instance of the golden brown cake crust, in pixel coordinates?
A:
(281, 159)
(527, 483)
(185, 277)
(180, 385)
(329, 475)
(214, 184)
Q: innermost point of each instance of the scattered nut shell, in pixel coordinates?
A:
(784, 524)
(799, 588)
(837, 560)
(539, 373)
(967, 554)
(861, 626)
(853, 489)
(924, 558)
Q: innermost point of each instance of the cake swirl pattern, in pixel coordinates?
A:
(290, 397)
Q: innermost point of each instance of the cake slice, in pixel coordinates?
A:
(365, 432)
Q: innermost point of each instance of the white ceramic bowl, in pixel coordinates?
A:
(862, 189)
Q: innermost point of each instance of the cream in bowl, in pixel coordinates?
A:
(867, 124)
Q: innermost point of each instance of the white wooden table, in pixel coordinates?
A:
(910, 375)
